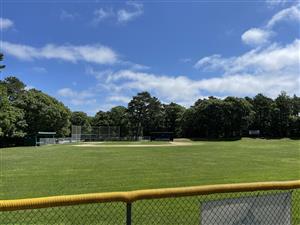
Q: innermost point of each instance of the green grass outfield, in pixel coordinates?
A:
(66, 169)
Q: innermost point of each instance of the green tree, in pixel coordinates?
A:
(262, 106)
(236, 116)
(294, 126)
(212, 116)
(215, 118)
(81, 119)
(173, 114)
(295, 105)
(101, 119)
(12, 123)
(282, 109)
(44, 113)
(119, 117)
(145, 114)
(294, 118)
(14, 87)
(189, 123)
(205, 119)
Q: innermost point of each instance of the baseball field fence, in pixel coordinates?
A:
(264, 203)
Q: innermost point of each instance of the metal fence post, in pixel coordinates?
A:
(128, 213)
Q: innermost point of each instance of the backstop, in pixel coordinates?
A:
(276, 203)
(100, 133)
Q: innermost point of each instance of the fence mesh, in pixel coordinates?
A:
(101, 133)
(103, 213)
(173, 211)
(189, 210)
(76, 133)
(47, 141)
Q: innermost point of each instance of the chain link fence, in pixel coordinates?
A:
(258, 207)
(101, 133)
(219, 209)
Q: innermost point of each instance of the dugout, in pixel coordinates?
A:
(44, 138)
(254, 133)
(161, 136)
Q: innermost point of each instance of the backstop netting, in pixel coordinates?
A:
(76, 133)
(99, 133)
(46, 141)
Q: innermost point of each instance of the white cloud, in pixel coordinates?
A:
(289, 14)
(102, 14)
(80, 102)
(77, 98)
(268, 70)
(98, 74)
(119, 98)
(136, 66)
(260, 36)
(212, 62)
(98, 54)
(101, 75)
(133, 66)
(66, 92)
(167, 88)
(249, 84)
(185, 91)
(270, 59)
(276, 2)
(103, 107)
(122, 15)
(6, 23)
(256, 36)
(125, 15)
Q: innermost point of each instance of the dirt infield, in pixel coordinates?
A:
(102, 144)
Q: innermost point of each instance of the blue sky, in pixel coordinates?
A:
(95, 55)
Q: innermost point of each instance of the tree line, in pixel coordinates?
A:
(25, 112)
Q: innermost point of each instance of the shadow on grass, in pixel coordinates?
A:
(240, 138)
(216, 139)
(279, 138)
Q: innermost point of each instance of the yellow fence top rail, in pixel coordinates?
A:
(131, 196)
